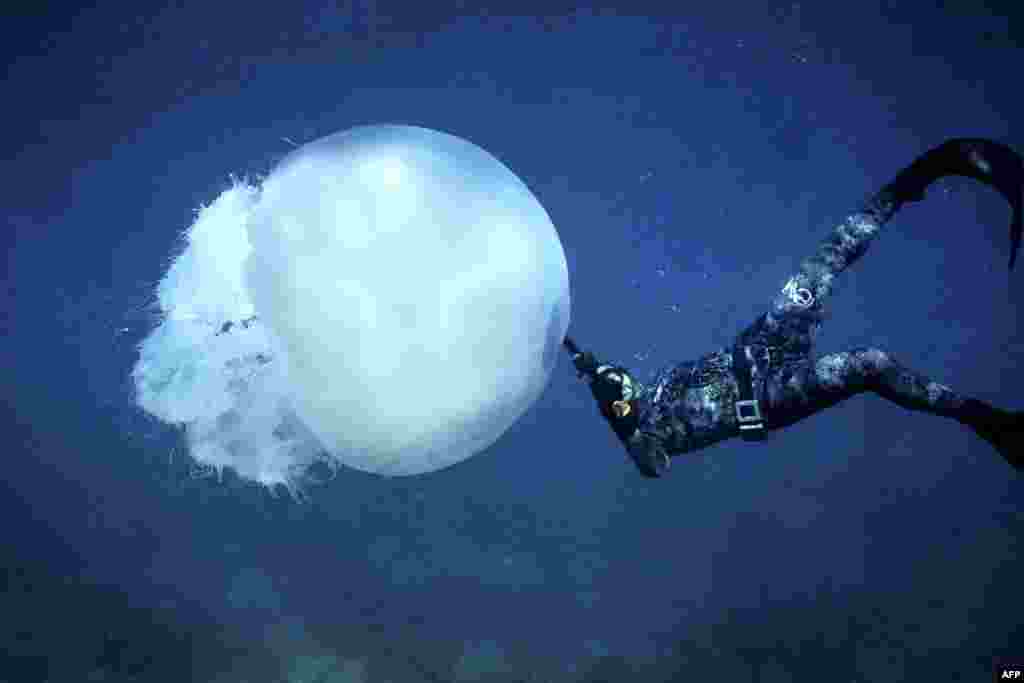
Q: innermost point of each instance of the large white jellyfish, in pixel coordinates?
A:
(390, 298)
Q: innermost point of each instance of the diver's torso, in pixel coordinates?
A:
(692, 404)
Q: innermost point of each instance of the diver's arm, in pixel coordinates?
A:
(619, 404)
(648, 453)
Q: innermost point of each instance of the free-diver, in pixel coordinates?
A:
(771, 377)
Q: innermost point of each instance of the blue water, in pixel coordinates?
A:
(689, 162)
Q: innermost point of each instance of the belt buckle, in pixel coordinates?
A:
(748, 415)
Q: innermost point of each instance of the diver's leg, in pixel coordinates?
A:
(810, 286)
(877, 371)
(804, 388)
(989, 162)
(796, 313)
(798, 306)
(789, 327)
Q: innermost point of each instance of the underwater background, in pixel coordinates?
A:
(689, 158)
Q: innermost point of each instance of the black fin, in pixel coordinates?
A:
(1003, 429)
(987, 161)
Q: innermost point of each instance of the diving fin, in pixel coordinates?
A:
(1002, 429)
(987, 161)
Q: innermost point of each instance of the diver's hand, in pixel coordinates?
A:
(586, 364)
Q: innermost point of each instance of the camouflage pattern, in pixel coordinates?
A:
(691, 405)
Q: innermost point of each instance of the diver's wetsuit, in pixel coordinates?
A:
(692, 405)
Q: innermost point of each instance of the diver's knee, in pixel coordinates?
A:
(833, 370)
(854, 370)
(873, 361)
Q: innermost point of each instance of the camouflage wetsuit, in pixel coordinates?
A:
(692, 405)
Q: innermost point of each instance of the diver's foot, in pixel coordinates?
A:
(1002, 428)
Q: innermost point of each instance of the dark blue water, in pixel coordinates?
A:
(689, 161)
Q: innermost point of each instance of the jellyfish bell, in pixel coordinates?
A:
(404, 296)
